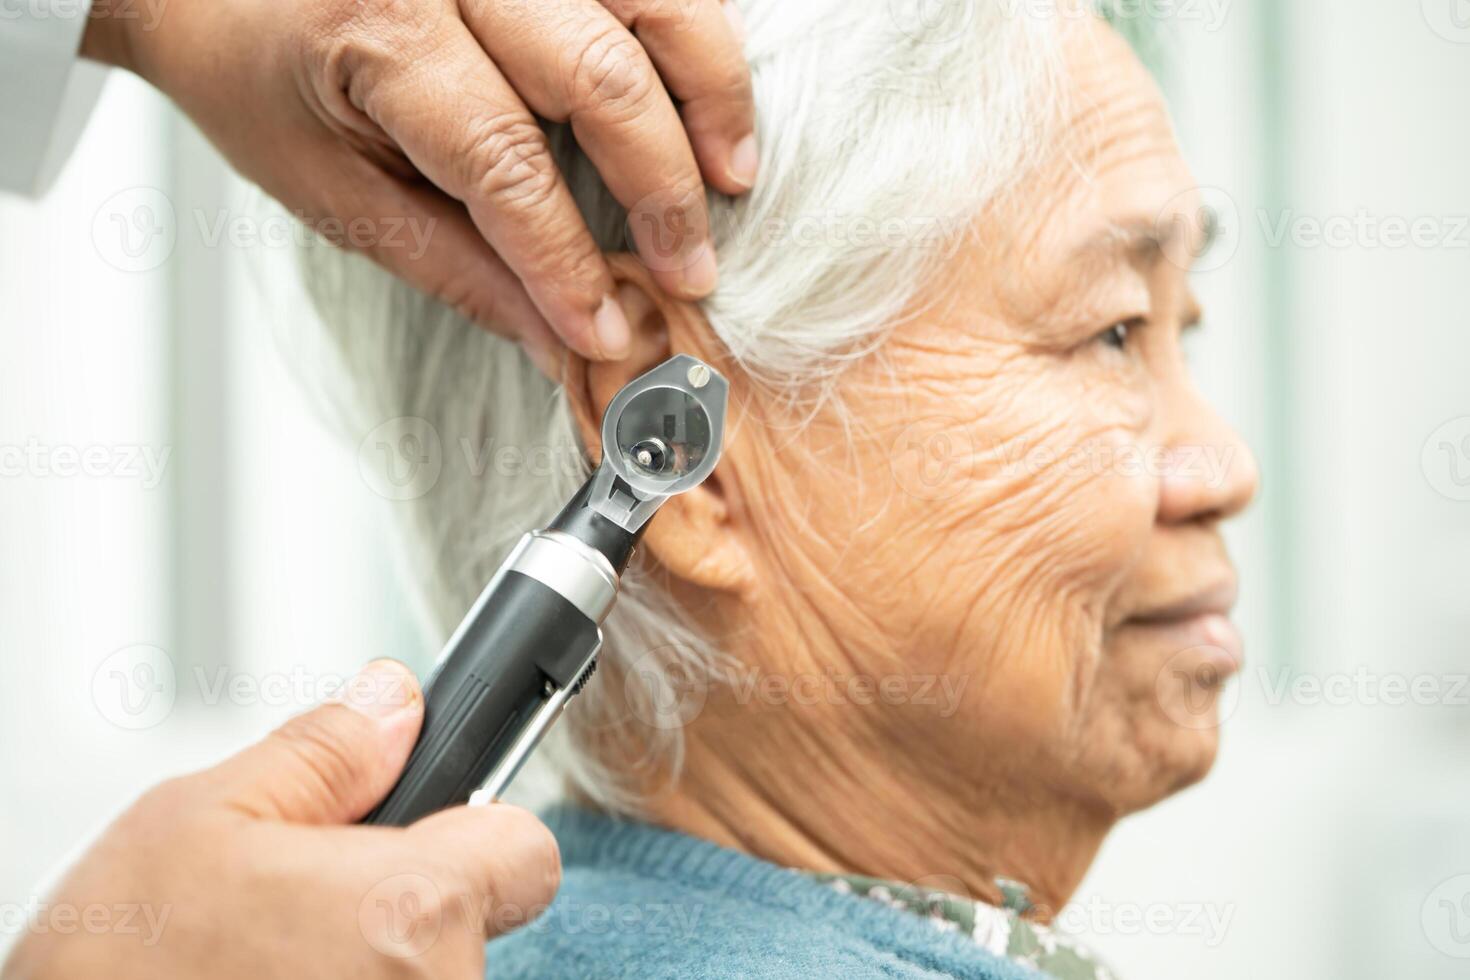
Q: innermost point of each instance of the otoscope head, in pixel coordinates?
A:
(661, 436)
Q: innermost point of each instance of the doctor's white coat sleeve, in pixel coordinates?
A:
(46, 92)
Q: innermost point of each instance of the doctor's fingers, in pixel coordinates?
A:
(426, 238)
(464, 127)
(614, 75)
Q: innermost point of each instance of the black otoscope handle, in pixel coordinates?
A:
(521, 645)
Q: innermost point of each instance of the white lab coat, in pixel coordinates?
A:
(46, 92)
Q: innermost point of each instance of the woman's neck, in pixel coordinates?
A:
(788, 766)
(809, 808)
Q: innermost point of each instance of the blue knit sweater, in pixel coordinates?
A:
(640, 902)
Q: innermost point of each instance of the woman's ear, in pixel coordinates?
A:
(693, 536)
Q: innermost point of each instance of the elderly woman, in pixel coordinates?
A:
(956, 600)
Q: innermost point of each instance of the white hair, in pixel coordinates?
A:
(885, 126)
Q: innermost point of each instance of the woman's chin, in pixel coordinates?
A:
(1146, 747)
(1170, 694)
(1172, 759)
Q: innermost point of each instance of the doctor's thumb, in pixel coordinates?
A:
(333, 764)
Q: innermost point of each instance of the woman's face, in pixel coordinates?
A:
(1019, 504)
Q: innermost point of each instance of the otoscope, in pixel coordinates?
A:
(530, 642)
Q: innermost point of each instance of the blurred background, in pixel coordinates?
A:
(188, 555)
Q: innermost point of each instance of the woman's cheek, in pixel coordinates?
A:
(1114, 496)
(1076, 486)
(1016, 483)
(1075, 525)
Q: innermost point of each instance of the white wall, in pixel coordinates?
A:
(80, 556)
(132, 599)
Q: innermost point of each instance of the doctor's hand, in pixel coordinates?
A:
(407, 129)
(246, 870)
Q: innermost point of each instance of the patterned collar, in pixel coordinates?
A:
(1002, 930)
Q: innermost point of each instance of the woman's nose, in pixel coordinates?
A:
(1211, 473)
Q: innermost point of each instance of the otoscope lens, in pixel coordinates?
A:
(663, 434)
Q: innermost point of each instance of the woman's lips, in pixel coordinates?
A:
(1217, 598)
(1205, 643)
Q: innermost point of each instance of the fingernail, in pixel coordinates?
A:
(381, 690)
(736, 19)
(610, 326)
(700, 274)
(745, 162)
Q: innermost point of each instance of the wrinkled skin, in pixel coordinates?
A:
(1009, 492)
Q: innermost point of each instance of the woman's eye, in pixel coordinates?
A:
(1117, 335)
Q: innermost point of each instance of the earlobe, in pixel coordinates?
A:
(692, 536)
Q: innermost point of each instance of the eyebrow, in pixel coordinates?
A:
(1148, 241)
